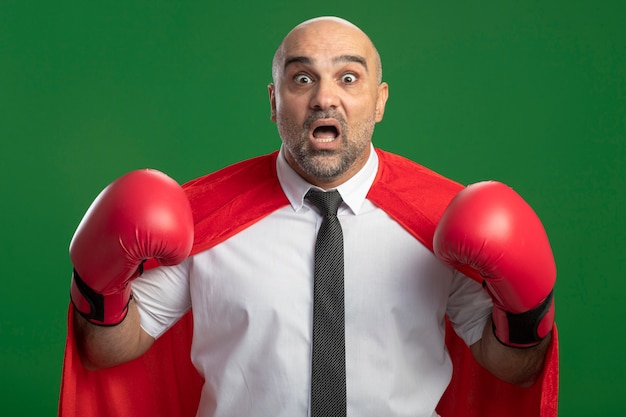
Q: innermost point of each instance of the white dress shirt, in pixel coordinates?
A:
(252, 306)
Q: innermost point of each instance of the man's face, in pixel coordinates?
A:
(326, 100)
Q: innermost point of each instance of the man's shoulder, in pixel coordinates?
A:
(396, 171)
(411, 194)
(254, 169)
(229, 200)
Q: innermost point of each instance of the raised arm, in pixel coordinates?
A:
(106, 346)
(143, 214)
(490, 233)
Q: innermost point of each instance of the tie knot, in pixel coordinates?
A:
(327, 201)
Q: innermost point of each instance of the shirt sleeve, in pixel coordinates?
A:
(469, 308)
(162, 297)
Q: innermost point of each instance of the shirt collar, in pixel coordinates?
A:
(353, 191)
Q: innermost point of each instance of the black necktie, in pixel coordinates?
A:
(328, 385)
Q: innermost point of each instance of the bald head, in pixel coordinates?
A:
(324, 26)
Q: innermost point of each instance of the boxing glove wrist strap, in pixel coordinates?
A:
(525, 329)
(100, 309)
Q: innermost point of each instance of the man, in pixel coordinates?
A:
(250, 277)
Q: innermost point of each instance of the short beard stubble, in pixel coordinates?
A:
(322, 164)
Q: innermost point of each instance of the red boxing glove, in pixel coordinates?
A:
(489, 232)
(143, 214)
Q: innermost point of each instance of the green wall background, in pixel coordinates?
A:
(529, 93)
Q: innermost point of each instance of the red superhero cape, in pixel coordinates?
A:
(163, 382)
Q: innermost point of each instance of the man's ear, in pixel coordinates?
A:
(381, 101)
(271, 89)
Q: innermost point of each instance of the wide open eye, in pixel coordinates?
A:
(348, 78)
(302, 79)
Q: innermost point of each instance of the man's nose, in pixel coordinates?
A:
(325, 95)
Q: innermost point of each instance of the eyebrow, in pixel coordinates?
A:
(342, 59)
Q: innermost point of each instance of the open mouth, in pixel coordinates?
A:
(325, 130)
(325, 133)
